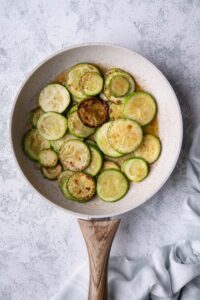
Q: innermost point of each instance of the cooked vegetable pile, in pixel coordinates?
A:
(90, 133)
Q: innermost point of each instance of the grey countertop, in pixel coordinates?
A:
(40, 246)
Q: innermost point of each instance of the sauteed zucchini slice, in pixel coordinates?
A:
(110, 165)
(48, 158)
(75, 155)
(52, 126)
(74, 76)
(118, 83)
(149, 149)
(64, 175)
(93, 112)
(112, 185)
(91, 83)
(51, 173)
(76, 126)
(54, 97)
(115, 111)
(103, 143)
(33, 143)
(96, 161)
(141, 107)
(64, 189)
(81, 186)
(57, 144)
(124, 135)
(136, 169)
(34, 116)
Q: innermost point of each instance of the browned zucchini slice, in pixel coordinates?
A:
(93, 112)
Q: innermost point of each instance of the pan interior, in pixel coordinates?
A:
(149, 78)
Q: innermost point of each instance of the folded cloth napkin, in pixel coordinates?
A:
(170, 273)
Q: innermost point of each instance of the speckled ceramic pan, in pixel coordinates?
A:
(170, 131)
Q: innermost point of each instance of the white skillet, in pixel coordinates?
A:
(98, 232)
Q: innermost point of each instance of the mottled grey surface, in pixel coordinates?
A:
(40, 246)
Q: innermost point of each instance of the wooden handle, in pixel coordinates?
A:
(98, 236)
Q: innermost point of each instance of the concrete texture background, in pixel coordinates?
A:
(40, 246)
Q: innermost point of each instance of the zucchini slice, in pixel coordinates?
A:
(34, 116)
(64, 175)
(150, 148)
(48, 158)
(64, 189)
(54, 97)
(75, 155)
(91, 83)
(141, 107)
(73, 78)
(119, 86)
(112, 185)
(51, 173)
(52, 126)
(93, 112)
(81, 186)
(96, 161)
(57, 144)
(103, 143)
(124, 135)
(136, 169)
(76, 126)
(126, 85)
(110, 165)
(33, 143)
(115, 111)
(76, 99)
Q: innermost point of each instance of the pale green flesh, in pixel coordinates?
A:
(48, 158)
(76, 126)
(34, 143)
(103, 143)
(34, 116)
(108, 78)
(110, 165)
(75, 155)
(51, 173)
(112, 185)
(91, 83)
(73, 78)
(124, 135)
(141, 107)
(119, 86)
(96, 161)
(135, 169)
(81, 186)
(57, 144)
(54, 98)
(52, 126)
(64, 175)
(149, 149)
(64, 188)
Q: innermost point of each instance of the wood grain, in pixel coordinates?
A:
(98, 236)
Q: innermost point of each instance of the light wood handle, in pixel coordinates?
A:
(98, 236)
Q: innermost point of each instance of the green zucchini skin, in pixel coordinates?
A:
(33, 143)
(54, 98)
(34, 116)
(96, 161)
(103, 178)
(48, 158)
(51, 173)
(52, 126)
(139, 163)
(144, 150)
(76, 126)
(144, 114)
(81, 186)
